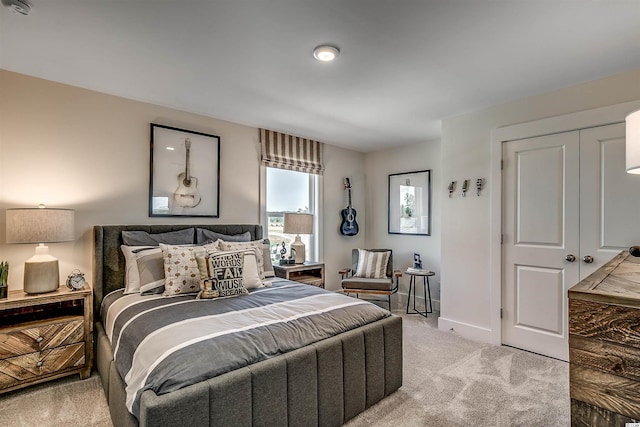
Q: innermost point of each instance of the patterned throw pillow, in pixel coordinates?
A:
(256, 245)
(225, 274)
(181, 269)
(372, 265)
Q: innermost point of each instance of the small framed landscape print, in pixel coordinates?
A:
(410, 203)
(184, 173)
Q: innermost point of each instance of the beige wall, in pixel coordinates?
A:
(74, 148)
(466, 153)
(379, 164)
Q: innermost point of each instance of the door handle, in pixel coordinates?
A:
(588, 259)
(570, 257)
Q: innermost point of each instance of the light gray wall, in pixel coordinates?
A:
(73, 148)
(379, 164)
(466, 153)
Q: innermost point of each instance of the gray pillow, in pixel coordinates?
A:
(142, 238)
(204, 236)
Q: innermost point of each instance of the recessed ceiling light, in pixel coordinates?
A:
(325, 53)
(21, 7)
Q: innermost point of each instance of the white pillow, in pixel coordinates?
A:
(256, 245)
(131, 272)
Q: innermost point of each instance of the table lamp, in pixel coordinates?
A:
(40, 225)
(298, 223)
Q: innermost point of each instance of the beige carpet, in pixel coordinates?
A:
(448, 381)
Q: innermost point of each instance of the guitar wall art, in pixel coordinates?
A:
(349, 226)
(184, 178)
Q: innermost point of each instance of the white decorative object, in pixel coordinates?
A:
(633, 142)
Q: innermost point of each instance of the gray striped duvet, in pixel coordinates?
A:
(167, 343)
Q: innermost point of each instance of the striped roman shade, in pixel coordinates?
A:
(284, 151)
(372, 265)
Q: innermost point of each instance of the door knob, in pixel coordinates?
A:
(588, 259)
(570, 257)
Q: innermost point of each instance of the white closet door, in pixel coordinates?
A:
(609, 197)
(540, 231)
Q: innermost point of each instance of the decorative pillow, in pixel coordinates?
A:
(139, 238)
(151, 269)
(266, 259)
(256, 245)
(181, 269)
(372, 265)
(203, 236)
(226, 270)
(208, 289)
(131, 272)
(250, 274)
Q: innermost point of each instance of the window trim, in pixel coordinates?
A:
(316, 189)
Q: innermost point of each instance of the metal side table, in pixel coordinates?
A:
(425, 274)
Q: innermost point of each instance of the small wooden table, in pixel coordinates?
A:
(45, 336)
(310, 273)
(425, 274)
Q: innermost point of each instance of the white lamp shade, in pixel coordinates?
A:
(633, 142)
(298, 223)
(40, 225)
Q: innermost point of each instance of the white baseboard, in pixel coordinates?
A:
(466, 330)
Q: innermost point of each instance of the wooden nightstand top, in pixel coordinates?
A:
(18, 298)
(307, 265)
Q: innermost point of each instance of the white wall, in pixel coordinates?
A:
(74, 148)
(466, 153)
(379, 164)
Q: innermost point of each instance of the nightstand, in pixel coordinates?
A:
(310, 273)
(45, 336)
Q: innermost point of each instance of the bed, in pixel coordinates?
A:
(325, 383)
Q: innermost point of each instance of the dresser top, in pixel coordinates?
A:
(616, 282)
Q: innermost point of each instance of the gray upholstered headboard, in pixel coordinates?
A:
(108, 262)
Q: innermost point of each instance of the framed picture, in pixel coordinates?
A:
(410, 203)
(184, 173)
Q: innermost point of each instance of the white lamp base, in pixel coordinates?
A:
(41, 272)
(298, 246)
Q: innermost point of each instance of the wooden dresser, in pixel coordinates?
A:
(45, 336)
(604, 345)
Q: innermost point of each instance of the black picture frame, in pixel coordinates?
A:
(184, 173)
(409, 203)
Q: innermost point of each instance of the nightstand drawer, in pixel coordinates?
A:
(38, 336)
(29, 366)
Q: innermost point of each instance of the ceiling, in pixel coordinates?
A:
(404, 64)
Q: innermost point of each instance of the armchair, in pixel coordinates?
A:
(352, 284)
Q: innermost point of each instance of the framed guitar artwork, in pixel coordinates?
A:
(184, 177)
(349, 225)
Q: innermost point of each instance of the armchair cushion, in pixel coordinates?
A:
(368, 284)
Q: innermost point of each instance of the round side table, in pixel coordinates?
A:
(425, 274)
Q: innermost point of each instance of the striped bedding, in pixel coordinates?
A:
(167, 343)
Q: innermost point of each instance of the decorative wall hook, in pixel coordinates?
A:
(465, 187)
(479, 185)
(452, 188)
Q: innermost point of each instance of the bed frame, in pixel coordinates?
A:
(323, 384)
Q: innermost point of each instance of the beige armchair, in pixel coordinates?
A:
(360, 285)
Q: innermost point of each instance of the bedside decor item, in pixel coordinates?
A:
(452, 187)
(479, 185)
(184, 173)
(632, 144)
(298, 223)
(40, 225)
(4, 274)
(409, 198)
(76, 280)
(417, 262)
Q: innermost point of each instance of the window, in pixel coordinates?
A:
(289, 191)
